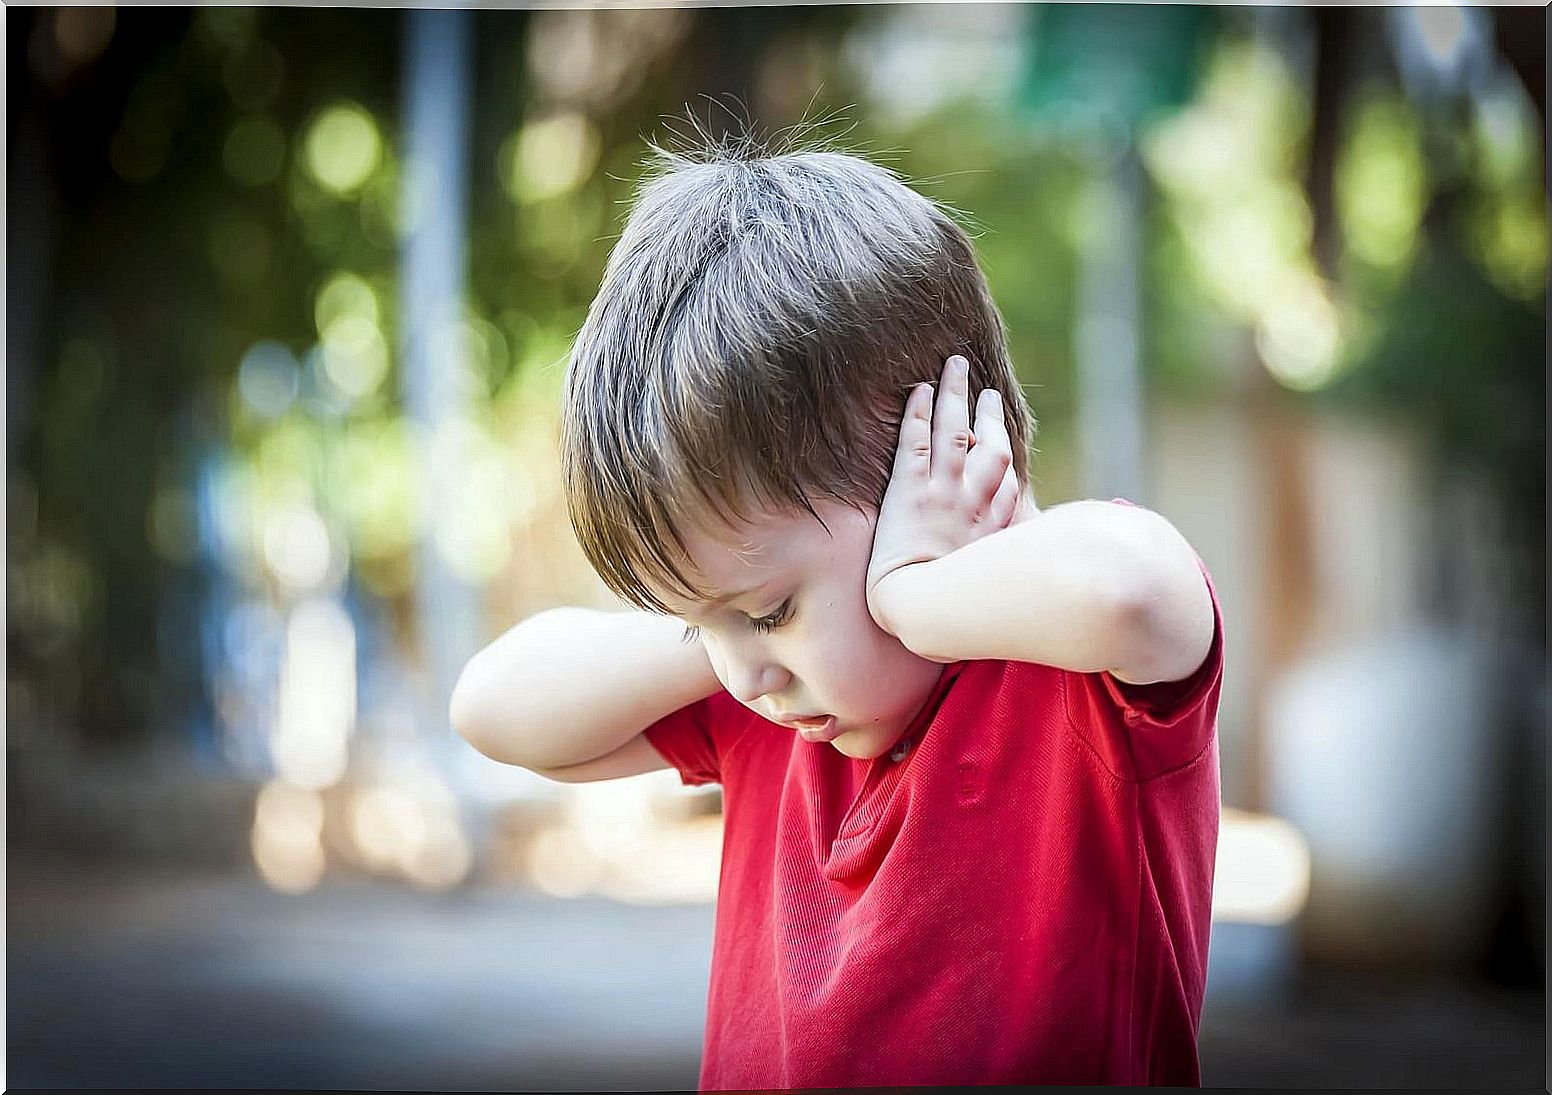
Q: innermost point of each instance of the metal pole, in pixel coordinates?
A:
(434, 200)
(1110, 414)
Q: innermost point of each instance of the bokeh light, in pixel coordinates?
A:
(475, 539)
(549, 157)
(316, 709)
(142, 143)
(344, 294)
(228, 27)
(1381, 182)
(255, 150)
(83, 33)
(286, 837)
(297, 547)
(1229, 166)
(355, 355)
(379, 476)
(267, 378)
(1263, 870)
(1299, 335)
(254, 74)
(342, 148)
(1443, 32)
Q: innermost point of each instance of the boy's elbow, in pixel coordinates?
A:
(460, 705)
(493, 730)
(467, 712)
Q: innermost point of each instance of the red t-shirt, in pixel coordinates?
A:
(1022, 897)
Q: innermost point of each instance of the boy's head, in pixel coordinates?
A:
(733, 403)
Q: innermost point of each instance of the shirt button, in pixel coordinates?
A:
(897, 754)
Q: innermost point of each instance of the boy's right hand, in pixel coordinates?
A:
(950, 485)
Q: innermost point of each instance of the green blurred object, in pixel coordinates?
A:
(1085, 64)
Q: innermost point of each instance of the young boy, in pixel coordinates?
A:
(967, 746)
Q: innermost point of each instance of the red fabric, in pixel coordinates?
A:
(1023, 898)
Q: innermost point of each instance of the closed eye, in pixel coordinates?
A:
(763, 624)
(776, 619)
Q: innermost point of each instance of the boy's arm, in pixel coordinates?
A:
(959, 571)
(567, 692)
(1086, 586)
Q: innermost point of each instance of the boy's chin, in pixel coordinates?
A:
(865, 744)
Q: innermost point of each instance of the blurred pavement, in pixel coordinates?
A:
(172, 980)
(123, 976)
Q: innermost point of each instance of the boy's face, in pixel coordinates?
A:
(801, 642)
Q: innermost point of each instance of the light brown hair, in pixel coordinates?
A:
(760, 323)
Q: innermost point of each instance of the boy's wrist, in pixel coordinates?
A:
(892, 598)
(878, 606)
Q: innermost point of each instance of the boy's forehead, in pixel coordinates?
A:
(725, 561)
(730, 559)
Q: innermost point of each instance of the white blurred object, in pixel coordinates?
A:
(1440, 49)
(1385, 756)
(298, 548)
(287, 824)
(915, 59)
(1260, 886)
(1263, 870)
(316, 707)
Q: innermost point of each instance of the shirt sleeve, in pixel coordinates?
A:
(1141, 731)
(694, 738)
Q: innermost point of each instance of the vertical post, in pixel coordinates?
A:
(436, 105)
(1110, 414)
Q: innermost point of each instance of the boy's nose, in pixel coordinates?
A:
(749, 684)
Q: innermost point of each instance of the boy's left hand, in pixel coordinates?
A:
(950, 485)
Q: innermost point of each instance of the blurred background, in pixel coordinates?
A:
(289, 297)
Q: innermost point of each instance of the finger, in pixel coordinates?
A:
(991, 422)
(1005, 501)
(913, 455)
(951, 419)
(992, 452)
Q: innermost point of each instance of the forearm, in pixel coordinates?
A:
(1062, 587)
(569, 685)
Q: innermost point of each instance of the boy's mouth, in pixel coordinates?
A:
(820, 729)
